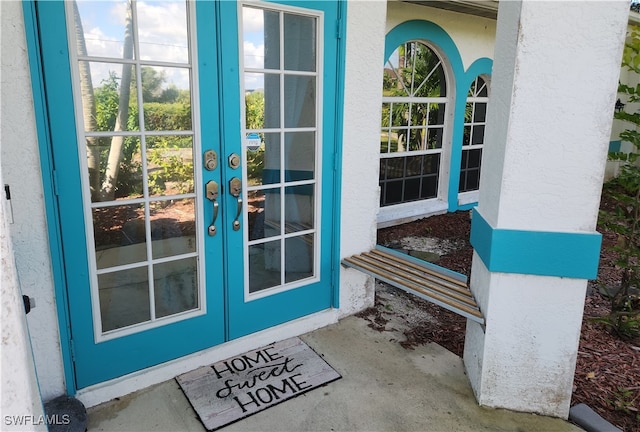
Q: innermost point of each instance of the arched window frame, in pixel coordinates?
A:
(473, 139)
(439, 131)
(437, 39)
(460, 78)
(466, 200)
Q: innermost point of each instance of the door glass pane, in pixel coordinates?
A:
(166, 98)
(104, 155)
(107, 90)
(173, 227)
(299, 43)
(261, 35)
(263, 163)
(119, 234)
(175, 286)
(298, 255)
(299, 156)
(158, 40)
(124, 298)
(170, 165)
(263, 213)
(92, 19)
(299, 208)
(264, 266)
(299, 101)
(262, 100)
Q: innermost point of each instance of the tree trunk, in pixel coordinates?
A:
(88, 107)
(117, 142)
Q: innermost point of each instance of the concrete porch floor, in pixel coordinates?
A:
(384, 387)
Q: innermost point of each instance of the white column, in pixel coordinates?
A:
(549, 119)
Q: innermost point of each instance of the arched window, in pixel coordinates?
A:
(413, 124)
(473, 138)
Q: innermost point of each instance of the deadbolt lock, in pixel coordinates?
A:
(234, 160)
(210, 160)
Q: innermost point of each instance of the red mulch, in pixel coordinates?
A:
(607, 376)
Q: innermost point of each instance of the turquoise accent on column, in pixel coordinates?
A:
(614, 146)
(541, 253)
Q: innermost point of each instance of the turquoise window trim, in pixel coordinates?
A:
(458, 86)
(541, 253)
(482, 66)
(51, 206)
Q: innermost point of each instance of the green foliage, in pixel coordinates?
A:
(624, 218)
(166, 165)
(164, 109)
(418, 74)
(254, 107)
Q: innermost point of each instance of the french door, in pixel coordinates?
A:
(193, 146)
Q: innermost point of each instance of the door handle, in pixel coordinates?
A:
(235, 189)
(212, 195)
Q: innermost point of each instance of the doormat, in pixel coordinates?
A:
(238, 387)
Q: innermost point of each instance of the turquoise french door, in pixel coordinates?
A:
(194, 152)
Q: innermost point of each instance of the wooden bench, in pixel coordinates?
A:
(433, 283)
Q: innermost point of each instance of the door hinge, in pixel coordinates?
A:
(339, 28)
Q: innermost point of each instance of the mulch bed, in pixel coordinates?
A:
(607, 376)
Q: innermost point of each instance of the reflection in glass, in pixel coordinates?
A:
(434, 139)
(263, 209)
(119, 234)
(175, 286)
(299, 208)
(299, 101)
(298, 255)
(170, 164)
(90, 20)
(399, 114)
(102, 162)
(124, 298)
(299, 43)
(264, 266)
(436, 114)
(173, 227)
(106, 85)
(158, 40)
(299, 155)
(262, 104)
(262, 29)
(166, 106)
(263, 164)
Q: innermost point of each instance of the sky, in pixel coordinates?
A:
(162, 29)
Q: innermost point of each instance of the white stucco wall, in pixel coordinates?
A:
(21, 170)
(361, 140)
(20, 395)
(474, 36)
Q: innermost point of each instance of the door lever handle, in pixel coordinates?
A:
(212, 195)
(235, 188)
(236, 222)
